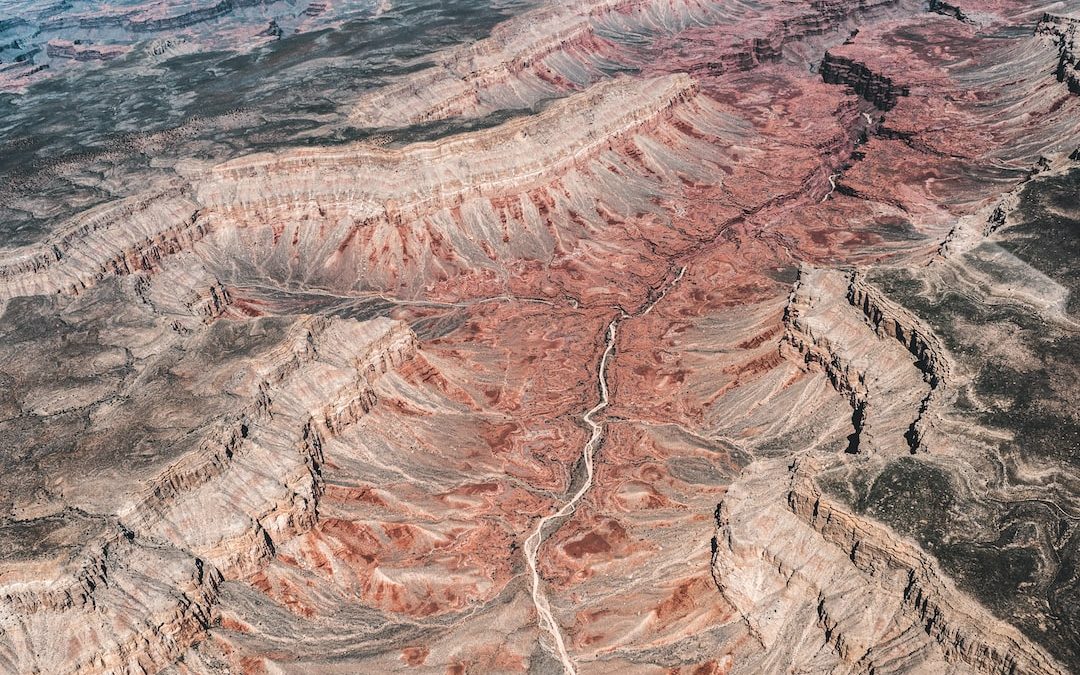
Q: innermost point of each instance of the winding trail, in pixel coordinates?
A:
(532, 544)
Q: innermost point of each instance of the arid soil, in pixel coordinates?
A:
(618, 336)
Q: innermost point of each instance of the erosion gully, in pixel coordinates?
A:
(588, 451)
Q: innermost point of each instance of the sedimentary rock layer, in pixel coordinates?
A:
(1062, 30)
(623, 336)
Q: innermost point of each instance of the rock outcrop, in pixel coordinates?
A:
(790, 561)
(434, 340)
(66, 49)
(948, 9)
(217, 512)
(568, 46)
(866, 348)
(875, 87)
(80, 618)
(1063, 31)
(116, 239)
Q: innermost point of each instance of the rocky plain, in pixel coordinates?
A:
(545, 336)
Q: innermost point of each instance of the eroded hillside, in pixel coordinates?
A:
(600, 337)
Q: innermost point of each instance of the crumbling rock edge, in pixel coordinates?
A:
(174, 574)
(889, 321)
(821, 559)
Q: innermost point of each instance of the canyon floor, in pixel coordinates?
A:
(546, 336)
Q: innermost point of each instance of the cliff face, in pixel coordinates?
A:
(604, 337)
(874, 87)
(949, 9)
(114, 240)
(1062, 31)
(215, 510)
(826, 321)
(89, 609)
(565, 47)
(816, 584)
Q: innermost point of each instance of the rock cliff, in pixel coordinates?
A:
(592, 337)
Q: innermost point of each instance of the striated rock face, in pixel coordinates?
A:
(127, 606)
(874, 87)
(568, 45)
(1062, 30)
(165, 543)
(519, 191)
(820, 586)
(115, 240)
(619, 336)
(825, 327)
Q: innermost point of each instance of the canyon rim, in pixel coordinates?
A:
(544, 336)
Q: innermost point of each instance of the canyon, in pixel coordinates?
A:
(547, 336)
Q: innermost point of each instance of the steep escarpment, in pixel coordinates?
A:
(511, 68)
(820, 588)
(1062, 31)
(948, 9)
(824, 18)
(827, 321)
(1011, 339)
(277, 430)
(115, 239)
(165, 541)
(876, 88)
(381, 218)
(149, 22)
(65, 49)
(556, 50)
(657, 262)
(337, 205)
(890, 320)
(78, 618)
(964, 631)
(565, 134)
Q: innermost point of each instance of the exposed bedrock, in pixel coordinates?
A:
(189, 18)
(164, 541)
(207, 431)
(349, 212)
(866, 344)
(546, 50)
(544, 146)
(972, 230)
(1063, 31)
(823, 589)
(66, 49)
(825, 17)
(322, 378)
(555, 50)
(129, 606)
(116, 239)
(876, 88)
(405, 218)
(149, 19)
(358, 217)
(890, 320)
(948, 9)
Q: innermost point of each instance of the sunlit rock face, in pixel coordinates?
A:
(658, 336)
